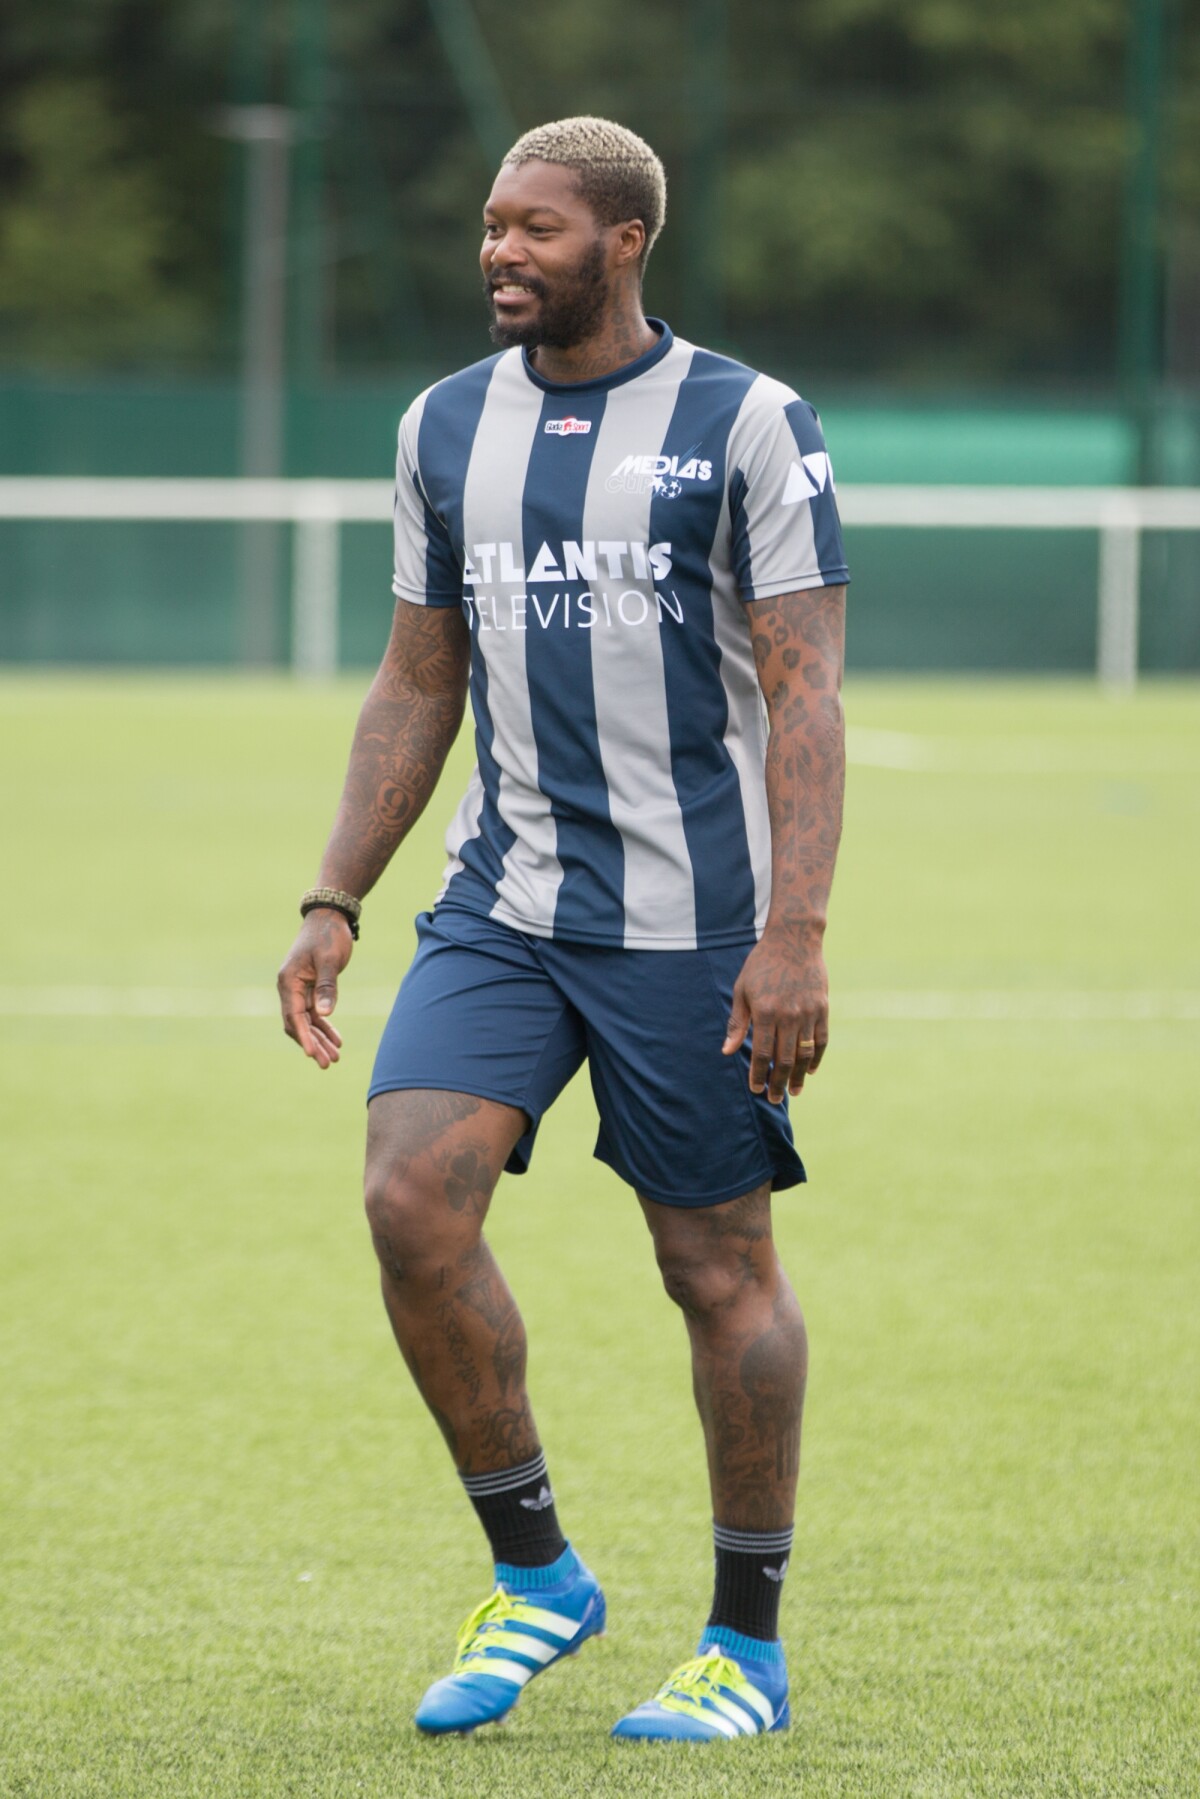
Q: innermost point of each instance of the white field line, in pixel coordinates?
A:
(171, 1002)
(921, 1005)
(910, 752)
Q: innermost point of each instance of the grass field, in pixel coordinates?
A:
(232, 1551)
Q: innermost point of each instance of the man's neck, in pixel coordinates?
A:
(624, 336)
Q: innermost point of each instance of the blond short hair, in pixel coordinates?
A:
(617, 172)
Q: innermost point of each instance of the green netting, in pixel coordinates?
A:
(167, 593)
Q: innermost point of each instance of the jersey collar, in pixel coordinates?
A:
(629, 372)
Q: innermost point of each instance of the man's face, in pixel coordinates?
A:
(544, 259)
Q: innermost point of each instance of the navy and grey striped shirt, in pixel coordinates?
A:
(600, 538)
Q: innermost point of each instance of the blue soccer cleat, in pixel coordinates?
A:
(735, 1686)
(516, 1633)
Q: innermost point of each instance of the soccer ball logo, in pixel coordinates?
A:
(670, 490)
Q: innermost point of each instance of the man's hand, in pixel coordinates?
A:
(781, 999)
(405, 728)
(308, 984)
(782, 994)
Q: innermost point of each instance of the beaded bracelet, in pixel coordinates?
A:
(336, 901)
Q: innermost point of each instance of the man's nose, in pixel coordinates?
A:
(508, 250)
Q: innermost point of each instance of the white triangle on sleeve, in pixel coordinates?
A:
(797, 487)
(819, 469)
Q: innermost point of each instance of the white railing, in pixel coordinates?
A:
(317, 509)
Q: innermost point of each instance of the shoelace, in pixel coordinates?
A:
(702, 1678)
(498, 1609)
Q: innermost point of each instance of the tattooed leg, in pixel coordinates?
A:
(749, 1352)
(433, 1160)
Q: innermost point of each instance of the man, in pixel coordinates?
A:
(628, 548)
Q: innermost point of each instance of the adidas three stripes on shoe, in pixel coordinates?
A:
(735, 1686)
(534, 1618)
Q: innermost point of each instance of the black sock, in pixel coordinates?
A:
(750, 1569)
(516, 1509)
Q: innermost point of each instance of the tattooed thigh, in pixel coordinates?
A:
(447, 1147)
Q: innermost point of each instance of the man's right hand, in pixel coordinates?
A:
(308, 983)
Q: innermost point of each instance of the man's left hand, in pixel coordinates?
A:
(781, 1000)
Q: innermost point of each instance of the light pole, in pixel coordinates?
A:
(1140, 296)
(267, 132)
(703, 244)
(307, 83)
(478, 81)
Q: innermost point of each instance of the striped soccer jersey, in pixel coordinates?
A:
(600, 539)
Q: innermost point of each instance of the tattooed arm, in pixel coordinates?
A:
(408, 722)
(782, 993)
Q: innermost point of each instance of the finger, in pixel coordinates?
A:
(739, 1023)
(816, 1043)
(293, 1002)
(804, 1063)
(327, 1029)
(326, 988)
(316, 1041)
(327, 1044)
(821, 1035)
(321, 1052)
(763, 1053)
(307, 1038)
(319, 1039)
(784, 1065)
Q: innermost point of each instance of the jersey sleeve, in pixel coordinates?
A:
(786, 533)
(427, 572)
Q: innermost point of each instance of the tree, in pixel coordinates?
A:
(90, 269)
(911, 188)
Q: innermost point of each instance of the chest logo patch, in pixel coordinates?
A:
(658, 474)
(568, 427)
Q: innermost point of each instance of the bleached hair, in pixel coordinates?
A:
(618, 174)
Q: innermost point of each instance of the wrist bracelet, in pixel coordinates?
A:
(336, 901)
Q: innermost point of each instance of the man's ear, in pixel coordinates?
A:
(631, 241)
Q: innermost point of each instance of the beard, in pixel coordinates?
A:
(571, 309)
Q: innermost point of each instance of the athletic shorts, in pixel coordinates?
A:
(488, 1010)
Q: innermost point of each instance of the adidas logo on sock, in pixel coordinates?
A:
(771, 1573)
(545, 1498)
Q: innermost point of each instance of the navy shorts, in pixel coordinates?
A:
(491, 1011)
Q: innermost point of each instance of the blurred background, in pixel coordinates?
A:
(237, 237)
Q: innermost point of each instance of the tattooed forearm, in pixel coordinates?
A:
(408, 722)
(798, 647)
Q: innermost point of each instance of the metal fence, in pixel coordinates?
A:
(316, 510)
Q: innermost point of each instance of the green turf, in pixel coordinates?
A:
(231, 1549)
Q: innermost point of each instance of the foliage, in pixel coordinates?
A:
(916, 187)
(89, 242)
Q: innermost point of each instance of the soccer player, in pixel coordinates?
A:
(627, 549)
